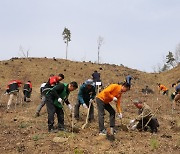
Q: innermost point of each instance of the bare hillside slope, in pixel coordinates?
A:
(21, 132)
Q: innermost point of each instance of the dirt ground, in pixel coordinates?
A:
(22, 132)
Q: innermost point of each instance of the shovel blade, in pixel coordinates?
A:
(84, 126)
(123, 127)
(110, 137)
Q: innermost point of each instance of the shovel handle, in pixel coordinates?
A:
(87, 116)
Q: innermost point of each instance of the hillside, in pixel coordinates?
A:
(21, 132)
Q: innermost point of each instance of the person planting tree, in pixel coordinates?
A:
(145, 118)
(162, 88)
(54, 100)
(112, 93)
(86, 96)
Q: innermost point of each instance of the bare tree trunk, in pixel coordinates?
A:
(66, 49)
(98, 54)
(100, 41)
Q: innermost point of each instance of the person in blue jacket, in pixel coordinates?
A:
(128, 79)
(176, 95)
(86, 95)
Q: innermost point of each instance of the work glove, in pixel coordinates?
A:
(85, 106)
(115, 99)
(132, 121)
(60, 100)
(120, 115)
(70, 106)
(134, 127)
(91, 101)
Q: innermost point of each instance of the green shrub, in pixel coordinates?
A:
(154, 143)
(23, 125)
(78, 151)
(36, 137)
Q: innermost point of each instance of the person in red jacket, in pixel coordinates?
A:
(27, 91)
(12, 90)
(54, 79)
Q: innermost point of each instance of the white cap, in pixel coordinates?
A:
(89, 82)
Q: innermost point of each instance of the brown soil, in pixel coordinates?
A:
(21, 132)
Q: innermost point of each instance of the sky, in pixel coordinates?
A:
(136, 33)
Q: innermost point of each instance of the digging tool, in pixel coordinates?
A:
(83, 126)
(110, 134)
(73, 129)
(72, 122)
(152, 117)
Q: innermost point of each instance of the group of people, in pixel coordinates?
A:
(54, 94)
(13, 91)
(175, 96)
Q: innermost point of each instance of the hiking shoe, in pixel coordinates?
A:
(103, 132)
(52, 130)
(61, 129)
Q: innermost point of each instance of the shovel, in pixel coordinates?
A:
(83, 126)
(110, 134)
(73, 128)
(151, 117)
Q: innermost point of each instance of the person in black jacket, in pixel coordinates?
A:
(13, 90)
(97, 80)
(27, 90)
(96, 77)
(54, 100)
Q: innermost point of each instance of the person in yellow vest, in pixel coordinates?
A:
(112, 93)
(163, 89)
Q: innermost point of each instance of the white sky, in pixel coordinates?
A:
(137, 33)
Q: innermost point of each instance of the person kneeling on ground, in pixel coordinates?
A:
(112, 93)
(54, 100)
(145, 118)
(86, 95)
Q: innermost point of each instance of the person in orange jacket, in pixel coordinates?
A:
(112, 93)
(162, 88)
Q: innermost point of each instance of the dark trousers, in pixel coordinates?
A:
(166, 92)
(153, 124)
(52, 109)
(27, 94)
(76, 110)
(101, 107)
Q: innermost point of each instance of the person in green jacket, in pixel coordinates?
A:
(54, 100)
